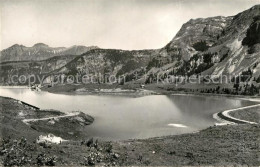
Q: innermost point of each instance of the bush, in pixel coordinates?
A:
(153, 63)
(207, 58)
(200, 46)
(202, 67)
(223, 57)
(258, 80)
(42, 159)
(129, 66)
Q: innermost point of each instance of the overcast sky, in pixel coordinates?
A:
(121, 24)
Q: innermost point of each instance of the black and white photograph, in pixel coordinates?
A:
(130, 83)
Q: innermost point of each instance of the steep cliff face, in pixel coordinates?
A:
(240, 44)
(196, 31)
(214, 46)
(39, 51)
(253, 33)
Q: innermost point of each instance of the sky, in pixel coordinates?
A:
(119, 24)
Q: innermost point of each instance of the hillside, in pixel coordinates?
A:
(218, 45)
(33, 143)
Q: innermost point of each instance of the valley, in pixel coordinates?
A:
(192, 102)
(207, 50)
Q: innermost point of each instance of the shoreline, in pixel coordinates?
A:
(204, 147)
(223, 116)
(125, 90)
(157, 91)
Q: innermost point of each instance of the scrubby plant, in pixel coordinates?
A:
(200, 46)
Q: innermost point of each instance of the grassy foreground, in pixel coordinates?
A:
(218, 145)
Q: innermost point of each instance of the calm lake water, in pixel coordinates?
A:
(123, 117)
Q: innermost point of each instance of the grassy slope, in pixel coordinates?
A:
(12, 113)
(222, 145)
(251, 114)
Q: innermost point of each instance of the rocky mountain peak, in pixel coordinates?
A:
(17, 46)
(204, 29)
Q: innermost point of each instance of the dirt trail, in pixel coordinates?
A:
(26, 121)
(225, 117)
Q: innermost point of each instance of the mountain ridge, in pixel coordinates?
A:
(40, 51)
(210, 46)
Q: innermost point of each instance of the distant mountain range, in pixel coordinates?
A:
(215, 46)
(39, 51)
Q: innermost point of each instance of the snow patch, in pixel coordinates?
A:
(51, 122)
(223, 24)
(254, 70)
(178, 125)
(231, 68)
(218, 71)
(21, 114)
(235, 45)
(81, 90)
(175, 39)
(50, 138)
(222, 124)
(117, 90)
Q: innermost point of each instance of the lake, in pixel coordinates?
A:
(126, 117)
